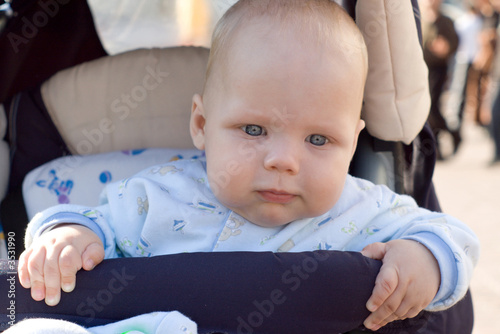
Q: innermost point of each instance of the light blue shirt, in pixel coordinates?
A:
(170, 208)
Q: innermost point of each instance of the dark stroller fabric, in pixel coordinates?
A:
(42, 38)
(33, 140)
(236, 292)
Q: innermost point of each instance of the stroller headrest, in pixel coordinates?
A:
(137, 99)
(396, 100)
(142, 98)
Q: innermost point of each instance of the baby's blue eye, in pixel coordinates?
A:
(317, 140)
(253, 130)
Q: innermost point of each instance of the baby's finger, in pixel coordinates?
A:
(409, 306)
(52, 277)
(70, 261)
(385, 284)
(22, 269)
(387, 312)
(92, 256)
(412, 312)
(375, 251)
(35, 264)
(375, 325)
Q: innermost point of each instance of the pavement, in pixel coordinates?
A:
(468, 187)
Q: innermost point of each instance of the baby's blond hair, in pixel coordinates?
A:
(322, 21)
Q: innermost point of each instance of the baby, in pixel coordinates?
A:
(279, 120)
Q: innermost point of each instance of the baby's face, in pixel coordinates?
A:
(280, 133)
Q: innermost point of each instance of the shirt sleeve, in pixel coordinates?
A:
(454, 245)
(135, 215)
(390, 216)
(95, 219)
(70, 218)
(448, 270)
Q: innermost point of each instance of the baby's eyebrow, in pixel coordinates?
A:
(250, 115)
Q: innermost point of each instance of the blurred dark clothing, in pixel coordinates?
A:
(480, 72)
(443, 26)
(441, 30)
(495, 126)
(495, 108)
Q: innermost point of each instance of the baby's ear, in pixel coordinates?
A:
(197, 122)
(360, 126)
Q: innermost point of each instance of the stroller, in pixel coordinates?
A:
(68, 115)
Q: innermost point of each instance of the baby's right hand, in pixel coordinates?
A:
(52, 261)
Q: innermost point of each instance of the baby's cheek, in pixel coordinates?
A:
(324, 200)
(224, 188)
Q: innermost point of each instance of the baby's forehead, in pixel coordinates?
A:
(336, 31)
(332, 34)
(292, 49)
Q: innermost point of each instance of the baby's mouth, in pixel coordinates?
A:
(276, 196)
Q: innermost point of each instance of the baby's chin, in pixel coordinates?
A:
(263, 220)
(271, 220)
(271, 223)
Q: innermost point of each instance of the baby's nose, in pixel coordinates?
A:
(283, 156)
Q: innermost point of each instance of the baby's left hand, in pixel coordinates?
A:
(407, 282)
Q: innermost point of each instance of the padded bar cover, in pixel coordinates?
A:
(260, 292)
(233, 292)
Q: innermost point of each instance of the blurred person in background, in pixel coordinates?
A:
(440, 42)
(468, 27)
(495, 89)
(479, 73)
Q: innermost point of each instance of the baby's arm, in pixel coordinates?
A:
(53, 259)
(408, 281)
(448, 242)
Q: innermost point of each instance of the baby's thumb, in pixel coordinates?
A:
(92, 256)
(375, 251)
